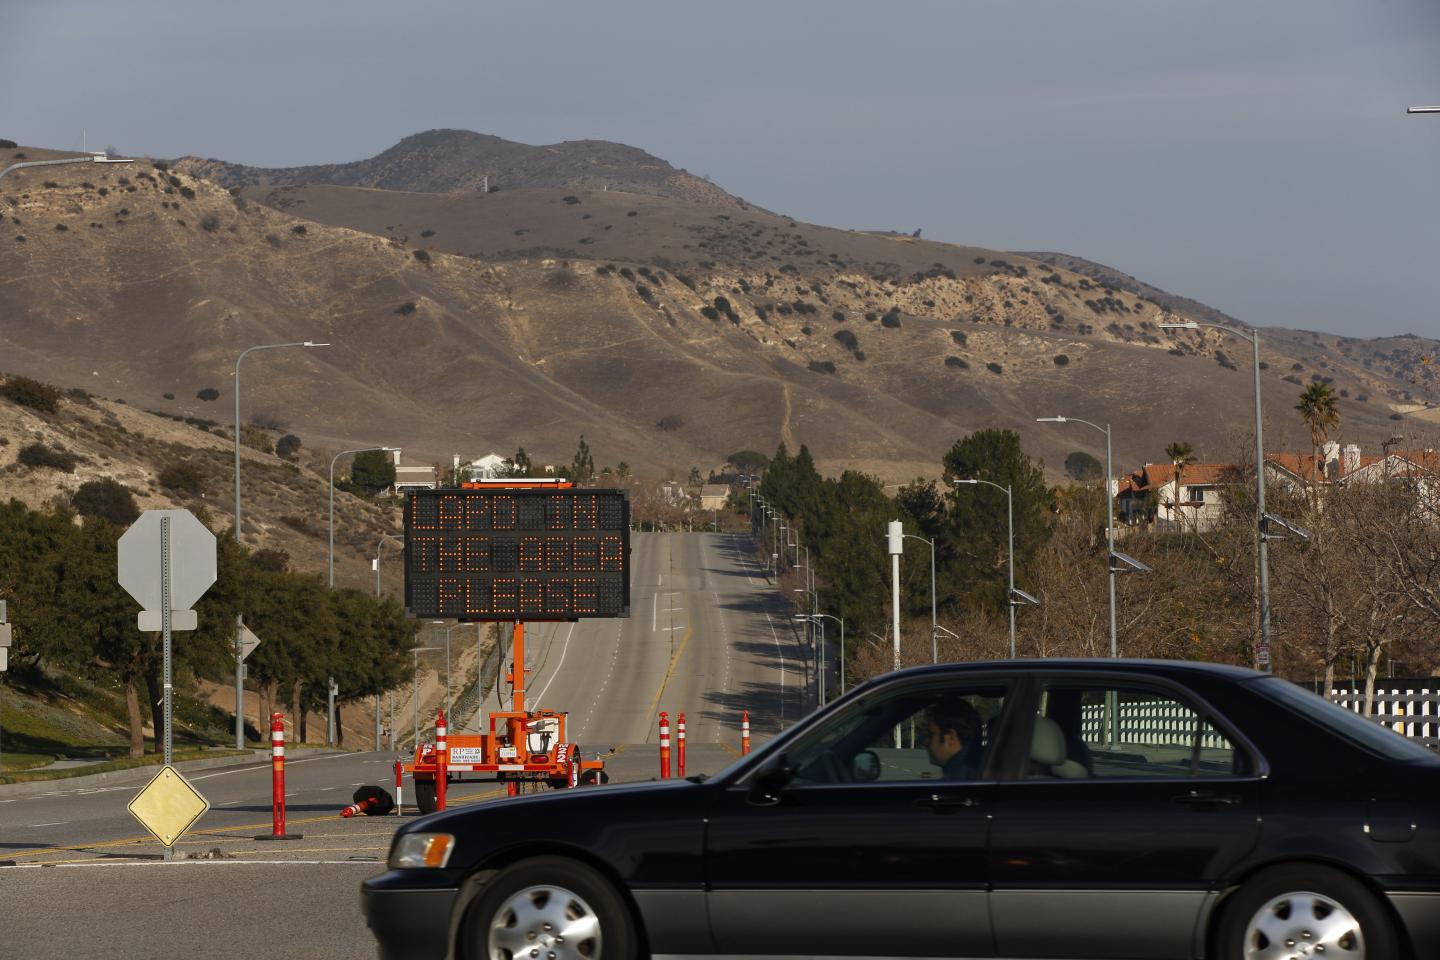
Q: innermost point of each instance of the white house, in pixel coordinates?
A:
(414, 476)
(492, 466)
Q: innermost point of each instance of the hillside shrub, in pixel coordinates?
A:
(209, 223)
(8, 144)
(107, 499)
(627, 273)
(891, 320)
(644, 292)
(822, 366)
(182, 476)
(26, 392)
(60, 227)
(571, 200)
(1082, 466)
(1061, 360)
(187, 192)
(838, 316)
(427, 233)
(287, 447)
(299, 525)
(958, 336)
(1396, 416)
(256, 439)
(208, 394)
(860, 355)
(669, 422)
(710, 312)
(406, 308)
(168, 396)
(562, 278)
(994, 367)
(299, 229)
(1291, 378)
(422, 255)
(847, 339)
(956, 363)
(39, 454)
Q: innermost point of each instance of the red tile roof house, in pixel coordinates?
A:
(1150, 493)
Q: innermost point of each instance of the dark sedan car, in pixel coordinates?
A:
(1058, 809)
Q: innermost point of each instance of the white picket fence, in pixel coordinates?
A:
(1410, 713)
(1162, 723)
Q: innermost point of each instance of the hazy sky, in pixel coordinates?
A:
(1254, 155)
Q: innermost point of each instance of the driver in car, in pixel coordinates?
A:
(953, 739)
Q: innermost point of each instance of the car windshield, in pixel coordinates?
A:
(1343, 723)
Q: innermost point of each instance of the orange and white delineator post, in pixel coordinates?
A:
(442, 757)
(744, 732)
(664, 745)
(277, 781)
(680, 744)
(399, 785)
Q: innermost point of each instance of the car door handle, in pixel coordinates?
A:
(942, 804)
(1196, 799)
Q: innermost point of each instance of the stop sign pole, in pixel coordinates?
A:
(165, 558)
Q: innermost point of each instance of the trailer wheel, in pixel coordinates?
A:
(427, 797)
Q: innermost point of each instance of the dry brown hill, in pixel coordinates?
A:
(446, 161)
(675, 336)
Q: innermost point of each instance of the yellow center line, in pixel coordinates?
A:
(689, 629)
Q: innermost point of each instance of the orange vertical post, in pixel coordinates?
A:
(442, 760)
(680, 744)
(744, 732)
(277, 781)
(664, 745)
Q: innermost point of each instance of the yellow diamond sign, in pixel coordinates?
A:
(168, 806)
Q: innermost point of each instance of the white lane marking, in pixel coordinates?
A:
(781, 655)
(556, 672)
(654, 611)
(57, 823)
(262, 764)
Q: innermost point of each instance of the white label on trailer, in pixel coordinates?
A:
(466, 755)
(508, 753)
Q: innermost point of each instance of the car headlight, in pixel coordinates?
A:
(422, 850)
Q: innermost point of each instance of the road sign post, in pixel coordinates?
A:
(245, 644)
(4, 659)
(166, 560)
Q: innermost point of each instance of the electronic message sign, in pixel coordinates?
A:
(517, 553)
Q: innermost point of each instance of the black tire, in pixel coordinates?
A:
(617, 929)
(427, 796)
(1254, 899)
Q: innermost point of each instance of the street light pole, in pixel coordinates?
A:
(1010, 515)
(934, 642)
(1262, 652)
(1109, 515)
(239, 624)
(841, 621)
(331, 550)
(379, 548)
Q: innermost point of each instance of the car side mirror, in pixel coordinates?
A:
(866, 766)
(770, 780)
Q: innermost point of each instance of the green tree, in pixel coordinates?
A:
(1181, 455)
(1320, 412)
(972, 556)
(287, 446)
(522, 465)
(372, 470)
(582, 467)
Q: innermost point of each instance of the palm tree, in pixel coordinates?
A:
(1181, 454)
(1320, 411)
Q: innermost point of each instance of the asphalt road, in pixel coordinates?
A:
(705, 636)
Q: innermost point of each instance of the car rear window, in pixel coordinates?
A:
(1343, 723)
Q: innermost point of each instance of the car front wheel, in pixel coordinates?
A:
(1305, 913)
(549, 908)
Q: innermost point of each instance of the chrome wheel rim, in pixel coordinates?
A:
(1304, 926)
(544, 923)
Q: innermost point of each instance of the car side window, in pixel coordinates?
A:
(934, 733)
(1108, 731)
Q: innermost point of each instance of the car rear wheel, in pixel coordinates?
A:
(549, 908)
(1305, 913)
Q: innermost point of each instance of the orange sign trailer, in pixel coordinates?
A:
(522, 747)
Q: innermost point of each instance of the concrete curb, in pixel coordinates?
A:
(139, 775)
